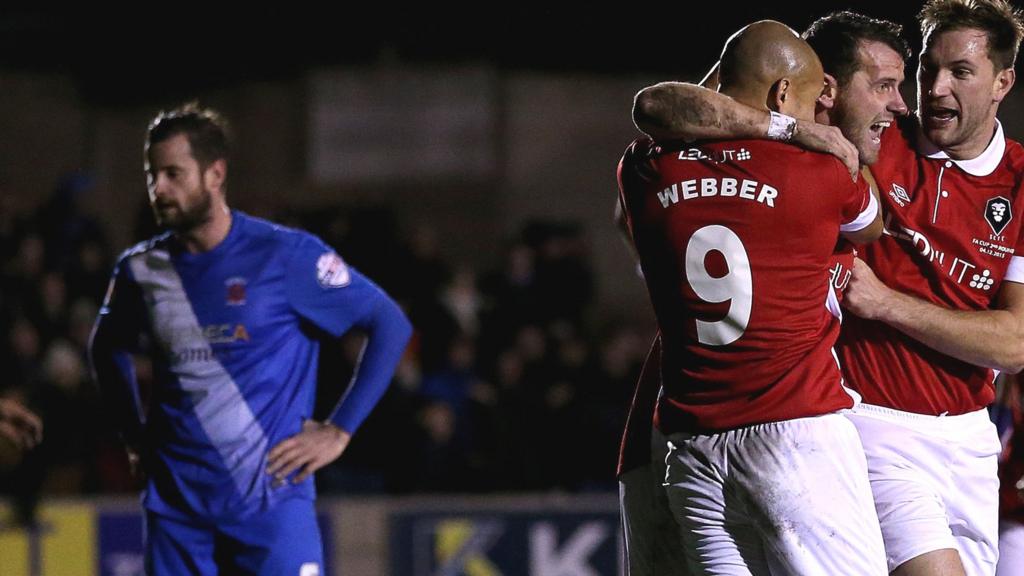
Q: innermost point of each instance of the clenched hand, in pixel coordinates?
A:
(866, 296)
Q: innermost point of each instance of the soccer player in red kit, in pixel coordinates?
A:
(939, 299)
(863, 59)
(764, 474)
(946, 306)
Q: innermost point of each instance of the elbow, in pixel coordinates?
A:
(1013, 362)
(400, 324)
(406, 331)
(652, 112)
(645, 108)
(874, 230)
(1011, 368)
(1009, 357)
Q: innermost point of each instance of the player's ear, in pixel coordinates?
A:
(1003, 82)
(829, 93)
(215, 175)
(779, 94)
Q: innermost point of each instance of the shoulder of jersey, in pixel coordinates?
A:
(1014, 156)
(261, 229)
(799, 153)
(154, 243)
(642, 147)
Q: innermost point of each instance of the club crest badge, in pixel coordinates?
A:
(235, 291)
(998, 214)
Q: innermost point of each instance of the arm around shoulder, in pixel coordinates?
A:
(683, 111)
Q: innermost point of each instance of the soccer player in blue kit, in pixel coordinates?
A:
(231, 309)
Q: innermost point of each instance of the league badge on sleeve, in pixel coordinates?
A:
(998, 213)
(331, 271)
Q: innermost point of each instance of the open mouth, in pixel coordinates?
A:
(936, 115)
(876, 130)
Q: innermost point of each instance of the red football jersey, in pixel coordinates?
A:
(735, 240)
(635, 447)
(953, 231)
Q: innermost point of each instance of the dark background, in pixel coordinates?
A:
(137, 55)
(464, 160)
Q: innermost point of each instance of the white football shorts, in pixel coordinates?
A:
(1011, 549)
(787, 497)
(935, 483)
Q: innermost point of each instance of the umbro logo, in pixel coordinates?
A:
(899, 195)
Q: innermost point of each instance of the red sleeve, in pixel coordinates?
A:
(855, 196)
(636, 167)
(1016, 271)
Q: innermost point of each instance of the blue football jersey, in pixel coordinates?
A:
(233, 333)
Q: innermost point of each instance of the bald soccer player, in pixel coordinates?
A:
(765, 476)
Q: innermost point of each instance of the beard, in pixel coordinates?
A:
(179, 218)
(854, 128)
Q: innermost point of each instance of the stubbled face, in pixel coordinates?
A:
(958, 91)
(870, 99)
(178, 194)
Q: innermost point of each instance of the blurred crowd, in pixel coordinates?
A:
(513, 380)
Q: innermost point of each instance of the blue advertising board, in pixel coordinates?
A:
(504, 543)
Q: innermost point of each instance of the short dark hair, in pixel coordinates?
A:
(1002, 23)
(206, 129)
(836, 37)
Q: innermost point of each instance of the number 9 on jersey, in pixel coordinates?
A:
(735, 287)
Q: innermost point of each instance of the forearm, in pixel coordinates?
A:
(113, 371)
(989, 338)
(389, 332)
(683, 111)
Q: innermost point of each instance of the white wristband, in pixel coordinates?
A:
(781, 127)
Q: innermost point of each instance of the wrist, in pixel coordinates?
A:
(889, 306)
(339, 433)
(781, 127)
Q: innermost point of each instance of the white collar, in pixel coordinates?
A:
(985, 164)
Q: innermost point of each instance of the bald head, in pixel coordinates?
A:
(766, 64)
